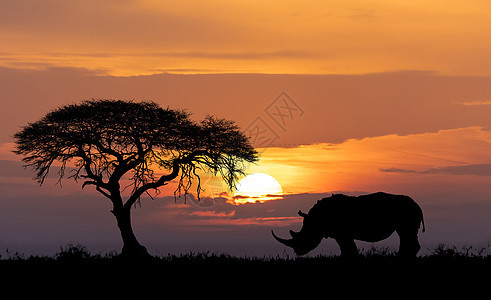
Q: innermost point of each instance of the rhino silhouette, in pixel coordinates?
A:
(370, 218)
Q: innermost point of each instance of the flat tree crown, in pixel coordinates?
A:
(106, 139)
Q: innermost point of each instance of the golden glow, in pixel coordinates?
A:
(257, 187)
(301, 37)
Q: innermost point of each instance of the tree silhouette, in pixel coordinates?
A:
(106, 142)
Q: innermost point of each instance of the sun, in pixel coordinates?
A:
(257, 187)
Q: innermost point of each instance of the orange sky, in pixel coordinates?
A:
(388, 96)
(298, 37)
(383, 162)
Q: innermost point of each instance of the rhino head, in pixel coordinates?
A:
(307, 239)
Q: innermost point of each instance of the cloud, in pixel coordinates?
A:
(476, 103)
(16, 169)
(191, 70)
(224, 215)
(120, 26)
(397, 170)
(473, 169)
(13, 169)
(362, 14)
(187, 54)
(227, 55)
(213, 214)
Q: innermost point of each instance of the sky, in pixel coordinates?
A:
(338, 97)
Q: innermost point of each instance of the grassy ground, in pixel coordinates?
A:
(445, 271)
(440, 259)
(78, 254)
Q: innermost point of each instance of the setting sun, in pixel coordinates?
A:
(257, 187)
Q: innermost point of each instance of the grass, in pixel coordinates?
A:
(445, 268)
(79, 254)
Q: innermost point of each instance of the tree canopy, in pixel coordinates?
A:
(105, 139)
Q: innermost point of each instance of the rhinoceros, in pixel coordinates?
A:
(369, 218)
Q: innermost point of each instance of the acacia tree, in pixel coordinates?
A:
(107, 142)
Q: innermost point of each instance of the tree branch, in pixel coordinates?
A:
(154, 185)
(96, 179)
(176, 166)
(110, 151)
(97, 187)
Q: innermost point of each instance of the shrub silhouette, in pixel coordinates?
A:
(73, 253)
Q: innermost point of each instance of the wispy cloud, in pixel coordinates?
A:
(188, 54)
(476, 103)
(225, 215)
(398, 170)
(473, 169)
(152, 62)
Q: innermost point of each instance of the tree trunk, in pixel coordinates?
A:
(131, 247)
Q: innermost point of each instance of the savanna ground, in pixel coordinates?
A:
(73, 254)
(444, 270)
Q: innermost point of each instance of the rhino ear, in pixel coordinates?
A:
(302, 214)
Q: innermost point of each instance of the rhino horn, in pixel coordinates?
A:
(289, 243)
(302, 214)
(293, 233)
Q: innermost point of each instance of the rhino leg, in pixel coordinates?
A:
(347, 246)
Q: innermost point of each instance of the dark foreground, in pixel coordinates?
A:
(445, 271)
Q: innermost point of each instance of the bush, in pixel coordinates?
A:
(73, 253)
